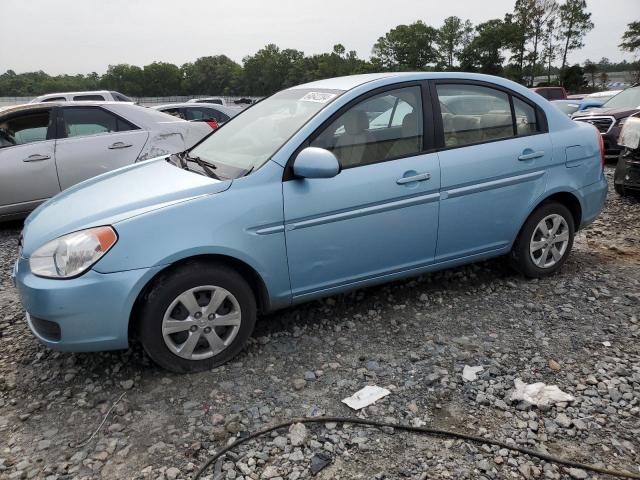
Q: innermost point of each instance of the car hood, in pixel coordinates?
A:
(115, 196)
(609, 112)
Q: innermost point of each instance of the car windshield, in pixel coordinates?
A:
(629, 98)
(252, 137)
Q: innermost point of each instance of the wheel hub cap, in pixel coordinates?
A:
(549, 241)
(201, 322)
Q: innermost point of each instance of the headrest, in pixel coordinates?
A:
(356, 122)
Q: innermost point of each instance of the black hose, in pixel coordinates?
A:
(424, 430)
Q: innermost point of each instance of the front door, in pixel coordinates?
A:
(379, 215)
(494, 157)
(27, 161)
(94, 141)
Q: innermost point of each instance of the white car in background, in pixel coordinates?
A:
(94, 96)
(216, 100)
(48, 147)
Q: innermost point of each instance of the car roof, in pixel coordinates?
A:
(91, 92)
(352, 81)
(39, 105)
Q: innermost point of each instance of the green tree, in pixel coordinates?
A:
(485, 52)
(161, 79)
(337, 63)
(575, 23)
(271, 69)
(573, 79)
(406, 47)
(453, 37)
(127, 79)
(631, 38)
(518, 30)
(543, 12)
(217, 75)
(591, 68)
(550, 46)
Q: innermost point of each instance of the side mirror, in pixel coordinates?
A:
(314, 162)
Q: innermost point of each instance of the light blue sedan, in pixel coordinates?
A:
(322, 188)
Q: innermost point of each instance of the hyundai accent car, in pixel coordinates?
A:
(319, 189)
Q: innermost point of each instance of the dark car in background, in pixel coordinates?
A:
(626, 179)
(551, 93)
(610, 118)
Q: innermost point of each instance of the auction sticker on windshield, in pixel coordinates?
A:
(319, 97)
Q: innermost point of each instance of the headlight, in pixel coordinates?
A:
(73, 254)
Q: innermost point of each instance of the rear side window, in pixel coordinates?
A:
(31, 127)
(204, 114)
(82, 122)
(175, 112)
(55, 99)
(473, 114)
(86, 98)
(526, 122)
(118, 97)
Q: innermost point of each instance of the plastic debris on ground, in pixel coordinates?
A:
(539, 394)
(366, 396)
(318, 462)
(470, 374)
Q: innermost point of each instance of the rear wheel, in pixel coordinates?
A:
(544, 242)
(197, 317)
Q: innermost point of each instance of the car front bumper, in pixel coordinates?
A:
(83, 314)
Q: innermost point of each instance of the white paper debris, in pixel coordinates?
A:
(470, 374)
(606, 344)
(366, 396)
(539, 394)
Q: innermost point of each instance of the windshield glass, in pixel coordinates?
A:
(252, 137)
(629, 98)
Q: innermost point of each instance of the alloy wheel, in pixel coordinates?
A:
(201, 322)
(549, 241)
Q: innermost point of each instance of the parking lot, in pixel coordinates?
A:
(578, 330)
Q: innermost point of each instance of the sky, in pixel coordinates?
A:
(82, 36)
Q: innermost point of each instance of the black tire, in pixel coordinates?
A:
(168, 287)
(520, 254)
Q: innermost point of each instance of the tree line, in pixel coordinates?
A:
(534, 39)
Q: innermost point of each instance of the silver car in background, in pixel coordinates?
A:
(48, 147)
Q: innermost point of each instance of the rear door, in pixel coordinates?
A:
(27, 160)
(92, 140)
(493, 158)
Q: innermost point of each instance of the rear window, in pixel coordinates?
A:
(118, 97)
(555, 94)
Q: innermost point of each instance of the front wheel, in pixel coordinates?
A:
(544, 243)
(197, 317)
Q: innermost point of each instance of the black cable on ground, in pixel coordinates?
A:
(424, 430)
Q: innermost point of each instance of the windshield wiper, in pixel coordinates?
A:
(204, 165)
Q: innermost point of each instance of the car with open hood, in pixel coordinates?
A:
(319, 189)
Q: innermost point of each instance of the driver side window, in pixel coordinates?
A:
(26, 128)
(379, 128)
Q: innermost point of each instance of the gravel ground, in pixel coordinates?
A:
(578, 330)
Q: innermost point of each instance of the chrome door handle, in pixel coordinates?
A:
(531, 156)
(117, 145)
(36, 158)
(421, 177)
